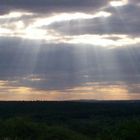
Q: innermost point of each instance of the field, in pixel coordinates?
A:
(71, 120)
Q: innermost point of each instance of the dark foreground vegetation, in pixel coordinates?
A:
(70, 120)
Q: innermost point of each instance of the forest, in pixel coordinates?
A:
(70, 120)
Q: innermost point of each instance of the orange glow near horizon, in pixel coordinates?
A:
(95, 92)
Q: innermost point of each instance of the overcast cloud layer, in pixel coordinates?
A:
(69, 49)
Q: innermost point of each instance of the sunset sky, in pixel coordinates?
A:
(69, 49)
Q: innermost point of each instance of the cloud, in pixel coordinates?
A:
(69, 50)
(92, 28)
(65, 66)
(74, 27)
(134, 1)
(122, 21)
(51, 6)
(93, 90)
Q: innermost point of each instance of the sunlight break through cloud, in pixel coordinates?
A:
(100, 40)
(15, 14)
(118, 3)
(33, 31)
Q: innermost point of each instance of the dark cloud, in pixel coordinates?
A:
(134, 1)
(122, 21)
(64, 66)
(51, 6)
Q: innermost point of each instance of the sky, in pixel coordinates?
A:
(69, 49)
